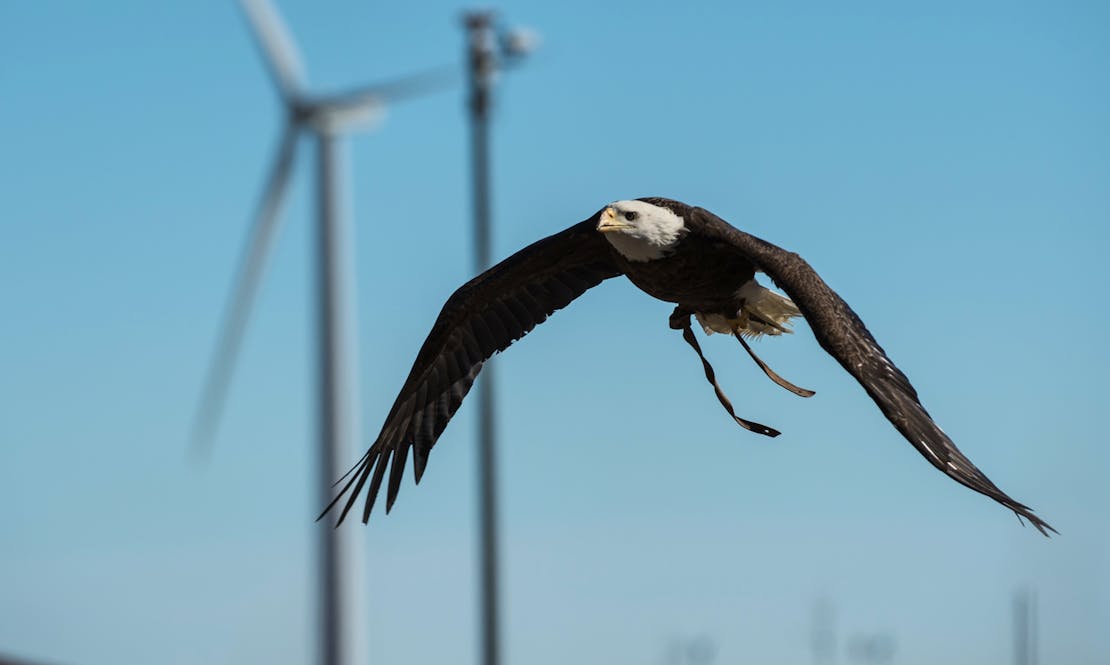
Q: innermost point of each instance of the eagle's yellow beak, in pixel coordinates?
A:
(610, 222)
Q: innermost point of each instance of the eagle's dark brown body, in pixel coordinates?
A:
(702, 275)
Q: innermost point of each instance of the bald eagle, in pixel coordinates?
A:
(674, 252)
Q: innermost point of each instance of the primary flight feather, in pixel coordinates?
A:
(676, 253)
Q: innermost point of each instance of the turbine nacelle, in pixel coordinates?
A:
(331, 117)
(335, 112)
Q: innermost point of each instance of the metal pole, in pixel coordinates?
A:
(1021, 628)
(1025, 627)
(823, 635)
(1034, 629)
(481, 59)
(340, 584)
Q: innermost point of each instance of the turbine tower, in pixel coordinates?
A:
(326, 118)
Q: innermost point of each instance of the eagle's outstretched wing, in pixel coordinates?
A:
(842, 334)
(482, 317)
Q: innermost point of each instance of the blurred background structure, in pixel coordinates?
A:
(823, 632)
(490, 49)
(1025, 627)
(340, 620)
(943, 167)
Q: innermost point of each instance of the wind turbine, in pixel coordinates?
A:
(326, 118)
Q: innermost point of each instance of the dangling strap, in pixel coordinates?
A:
(688, 335)
(803, 392)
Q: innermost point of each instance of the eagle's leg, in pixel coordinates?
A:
(680, 320)
(803, 392)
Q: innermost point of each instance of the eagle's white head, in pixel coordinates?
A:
(639, 230)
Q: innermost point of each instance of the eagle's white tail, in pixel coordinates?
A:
(762, 312)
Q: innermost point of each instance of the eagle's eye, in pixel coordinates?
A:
(631, 216)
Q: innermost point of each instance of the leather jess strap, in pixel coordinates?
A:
(710, 375)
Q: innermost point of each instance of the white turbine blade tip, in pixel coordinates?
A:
(282, 57)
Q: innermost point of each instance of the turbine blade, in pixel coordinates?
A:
(278, 50)
(371, 96)
(251, 265)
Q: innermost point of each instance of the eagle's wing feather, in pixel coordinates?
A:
(482, 317)
(843, 335)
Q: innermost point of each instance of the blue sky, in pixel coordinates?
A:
(944, 167)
